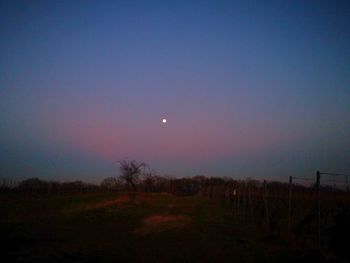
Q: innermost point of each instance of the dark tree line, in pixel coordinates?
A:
(136, 178)
(38, 186)
(276, 207)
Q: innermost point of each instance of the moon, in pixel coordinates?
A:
(164, 120)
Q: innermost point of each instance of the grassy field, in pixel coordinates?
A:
(111, 227)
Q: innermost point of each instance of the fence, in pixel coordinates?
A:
(306, 214)
(291, 209)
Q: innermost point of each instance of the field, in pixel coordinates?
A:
(154, 227)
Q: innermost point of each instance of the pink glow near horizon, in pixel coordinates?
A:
(244, 87)
(185, 138)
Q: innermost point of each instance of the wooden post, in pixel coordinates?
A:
(290, 204)
(266, 207)
(238, 197)
(251, 204)
(318, 204)
(235, 200)
(243, 200)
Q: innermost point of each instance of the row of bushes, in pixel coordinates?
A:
(213, 187)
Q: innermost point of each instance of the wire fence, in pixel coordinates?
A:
(306, 213)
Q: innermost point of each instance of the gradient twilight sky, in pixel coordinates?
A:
(258, 89)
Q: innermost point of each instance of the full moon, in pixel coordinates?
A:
(163, 120)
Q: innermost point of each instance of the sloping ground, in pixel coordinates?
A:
(98, 205)
(160, 223)
(111, 228)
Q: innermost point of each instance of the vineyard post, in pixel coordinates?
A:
(290, 204)
(238, 197)
(245, 201)
(250, 203)
(243, 197)
(318, 204)
(266, 207)
(233, 200)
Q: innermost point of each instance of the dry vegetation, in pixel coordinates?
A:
(195, 219)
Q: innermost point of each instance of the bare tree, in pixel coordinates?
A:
(130, 172)
(110, 184)
(149, 181)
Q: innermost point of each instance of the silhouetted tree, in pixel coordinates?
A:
(149, 181)
(33, 185)
(130, 172)
(110, 184)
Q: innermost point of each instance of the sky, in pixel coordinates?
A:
(257, 89)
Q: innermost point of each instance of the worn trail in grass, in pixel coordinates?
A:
(111, 227)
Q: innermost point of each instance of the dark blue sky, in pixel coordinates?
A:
(251, 88)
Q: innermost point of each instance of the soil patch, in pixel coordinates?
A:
(160, 223)
(107, 203)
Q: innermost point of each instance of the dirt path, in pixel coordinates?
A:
(106, 203)
(160, 223)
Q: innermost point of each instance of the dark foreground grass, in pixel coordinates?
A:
(106, 228)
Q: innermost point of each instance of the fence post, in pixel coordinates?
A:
(266, 208)
(243, 200)
(250, 203)
(238, 197)
(290, 204)
(318, 204)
